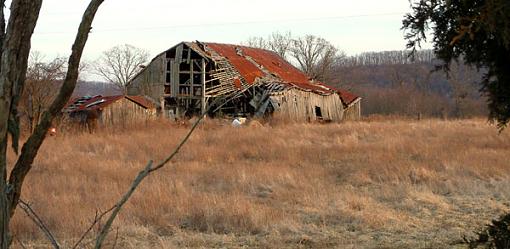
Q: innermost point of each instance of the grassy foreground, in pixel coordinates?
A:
(379, 184)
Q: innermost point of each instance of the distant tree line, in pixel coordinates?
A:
(390, 82)
(314, 55)
(399, 57)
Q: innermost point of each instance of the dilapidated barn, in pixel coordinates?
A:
(193, 77)
(110, 111)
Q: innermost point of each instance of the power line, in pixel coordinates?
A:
(229, 23)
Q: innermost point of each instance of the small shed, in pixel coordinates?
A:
(110, 111)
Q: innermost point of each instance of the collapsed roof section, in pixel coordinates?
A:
(240, 67)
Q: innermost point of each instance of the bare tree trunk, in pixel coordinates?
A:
(34, 142)
(15, 48)
(4, 215)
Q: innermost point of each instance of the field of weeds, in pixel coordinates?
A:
(370, 184)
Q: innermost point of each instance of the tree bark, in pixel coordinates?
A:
(34, 142)
(15, 47)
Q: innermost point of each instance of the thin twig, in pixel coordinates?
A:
(39, 222)
(106, 228)
(20, 243)
(96, 220)
(149, 169)
(116, 237)
(195, 125)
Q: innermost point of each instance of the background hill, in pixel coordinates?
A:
(391, 83)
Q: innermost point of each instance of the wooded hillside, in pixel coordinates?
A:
(392, 83)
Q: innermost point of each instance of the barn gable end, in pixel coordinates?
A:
(192, 77)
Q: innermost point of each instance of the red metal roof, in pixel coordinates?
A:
(99, 102)
(346, 96)
(247, 69)
(239, 57)
(142, 101)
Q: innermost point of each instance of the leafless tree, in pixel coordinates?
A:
(120, 64)
(280, 43)
(315, 56)
(462, 81)
(42, 82)
(277, 42)
(15, 48)
(256, 42)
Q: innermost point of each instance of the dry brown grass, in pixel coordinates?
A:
(371, 184)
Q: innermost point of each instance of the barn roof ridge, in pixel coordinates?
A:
(87, 103)
(242, 58)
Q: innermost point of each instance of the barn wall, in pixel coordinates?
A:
(150, 82)
(300, 105)
(124, 112)
(353, 112)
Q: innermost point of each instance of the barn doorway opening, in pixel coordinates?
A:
(318, 112)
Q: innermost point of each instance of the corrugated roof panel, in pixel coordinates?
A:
(142, 101)
(248, 70)
(98, 102)
(276, 65)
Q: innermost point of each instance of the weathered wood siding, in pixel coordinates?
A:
(125, 112)
(298, 105)
(150, 82)
(353, 112)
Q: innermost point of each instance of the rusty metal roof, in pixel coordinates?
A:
(265, 62)
(88, 103)
(142, 101)
(268, 61)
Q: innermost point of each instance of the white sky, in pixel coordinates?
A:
(354, 26)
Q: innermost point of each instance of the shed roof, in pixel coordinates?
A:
(88, 103)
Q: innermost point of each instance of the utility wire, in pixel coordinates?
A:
(137, 29)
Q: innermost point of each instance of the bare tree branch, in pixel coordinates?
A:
(2, 24)
(315, 56)
(120, 64)
(39, 222)
(15, 49)
(149, 169)
(116, 238)
(106, 228)
(34, 142)
(277, 42)
(20, 243)
(97, 219)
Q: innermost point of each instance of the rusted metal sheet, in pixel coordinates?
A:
(236, 69)
(88, 103)
(248, 70)
(142, 101)
(270, 62)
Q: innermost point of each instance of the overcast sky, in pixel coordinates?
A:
(353, 26)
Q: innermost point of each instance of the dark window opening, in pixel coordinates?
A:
(184, 67)
(197, 79)
(184, 79)
(167, 89)
(170, 54)
(318, 112)
(167, 77)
